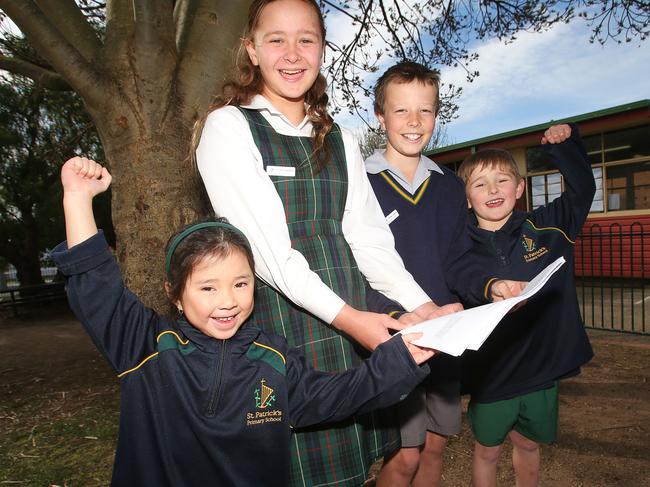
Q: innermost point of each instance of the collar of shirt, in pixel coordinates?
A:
(278, 121)
(377, 163)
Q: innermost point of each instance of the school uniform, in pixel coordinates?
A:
(201, 411)
(545, 339)
(428, 218)
(315, 236)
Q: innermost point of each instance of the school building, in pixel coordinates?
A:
(615, 241)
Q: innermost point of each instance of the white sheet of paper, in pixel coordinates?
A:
(468, 329)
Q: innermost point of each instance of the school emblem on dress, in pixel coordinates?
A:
(264, 397)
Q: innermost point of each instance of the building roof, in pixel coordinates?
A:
(542, 126)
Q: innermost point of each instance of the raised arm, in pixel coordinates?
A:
(82, 180)
(121, 327)
(564, 149)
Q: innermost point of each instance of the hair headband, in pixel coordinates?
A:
(194, 228)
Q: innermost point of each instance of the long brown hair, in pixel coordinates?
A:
(248, 82)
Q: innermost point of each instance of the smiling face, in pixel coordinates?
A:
(218, 295)
(409, 117)
(287, 45)
(492, 193)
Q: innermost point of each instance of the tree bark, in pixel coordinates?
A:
(144, 86)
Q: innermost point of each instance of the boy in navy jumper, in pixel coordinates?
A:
(426, 209)
(207, 398)
(513, 377)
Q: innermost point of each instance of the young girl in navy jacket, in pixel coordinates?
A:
(206, 397)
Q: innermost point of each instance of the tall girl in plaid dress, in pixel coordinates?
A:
(274, 163)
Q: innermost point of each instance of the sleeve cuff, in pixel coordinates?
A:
(411, 295)
(82, 257)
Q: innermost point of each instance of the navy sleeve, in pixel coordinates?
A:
(378, 303)
(384, 379)
(463, 274)
(121, 327)
(570, 210)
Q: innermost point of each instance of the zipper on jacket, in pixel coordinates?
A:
(216, 383)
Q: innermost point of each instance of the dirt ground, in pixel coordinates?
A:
(59, 411)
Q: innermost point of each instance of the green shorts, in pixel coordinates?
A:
(534, 415)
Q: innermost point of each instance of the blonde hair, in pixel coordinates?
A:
(248, 82)
(490, 158)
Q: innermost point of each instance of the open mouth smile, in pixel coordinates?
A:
(224, 321)
(494, 203)
(412, 137)
(291, 74)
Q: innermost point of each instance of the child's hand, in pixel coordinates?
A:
(84, 176)
(504, 289)
(429, 311)
(419, 354)
(556, 134)
(410, 319)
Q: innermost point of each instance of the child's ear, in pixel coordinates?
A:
(469, 204)
(521, 185)
(380, 117)
(250, 49)
(168, 291)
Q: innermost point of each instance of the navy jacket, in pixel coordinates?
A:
(545, 340)
(200, 411)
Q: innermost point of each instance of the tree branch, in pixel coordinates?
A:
(155, 57)
(49, 42)
(211, 38)
(43, 77)
(72, 24)
(119, 33)
(184, 11)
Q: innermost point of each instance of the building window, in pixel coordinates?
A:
(545, 188)
(598, 204)
(620, 164)
(626, 144)
(628, 187)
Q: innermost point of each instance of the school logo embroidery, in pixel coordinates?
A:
(264, 397)
(530, 246)
(529, 243)
(264, 400)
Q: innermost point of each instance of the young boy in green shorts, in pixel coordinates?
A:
(513, 377)
(426, 209)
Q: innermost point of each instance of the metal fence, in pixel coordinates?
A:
(613, 276)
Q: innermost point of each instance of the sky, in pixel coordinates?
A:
(538, 78)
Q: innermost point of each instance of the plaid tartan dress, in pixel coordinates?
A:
(314, 203)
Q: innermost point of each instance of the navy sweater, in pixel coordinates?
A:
(200, 411)
(431, 236)
(545, 340)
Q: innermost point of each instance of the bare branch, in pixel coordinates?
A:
(43, 77)
(72, 24)
(49, 42)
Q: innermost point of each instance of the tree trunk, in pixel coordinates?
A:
(28, 270)
(155, 70)
(154, 194)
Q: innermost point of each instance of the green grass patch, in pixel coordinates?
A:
(74, 449)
